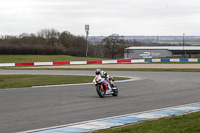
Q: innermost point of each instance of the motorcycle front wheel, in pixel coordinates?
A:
(100, 92)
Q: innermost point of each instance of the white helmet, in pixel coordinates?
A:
(103, 73)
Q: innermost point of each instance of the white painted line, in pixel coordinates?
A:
(43, 63)
(119, 81)
(96, 125)
(128, 80)
(60, 85)
(187, 108)
(149, 115)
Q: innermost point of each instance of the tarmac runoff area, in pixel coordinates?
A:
(94, 125)
(144, 65)
(139, 101)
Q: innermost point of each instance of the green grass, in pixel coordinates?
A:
(43, 58)
(189, 123)
(16, 81)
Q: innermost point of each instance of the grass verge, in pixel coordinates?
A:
(59, 58)
(43, 58)
(179, 124)
(16, 81)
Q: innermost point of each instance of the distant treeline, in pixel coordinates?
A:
(51, 41)
(45, 42)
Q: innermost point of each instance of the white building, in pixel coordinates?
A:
(160, 51)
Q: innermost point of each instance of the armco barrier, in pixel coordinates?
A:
(43, 63)
(148, 60)
(6, 64)
(174, 60)
(123, 61)
(138, 61)
(183, 60)
(99, 62)
(94, 62)
(109, 61)
(24, 64)
(192, 60)
(165, 60)
(61, 63)
(77, 62)
(156, 60)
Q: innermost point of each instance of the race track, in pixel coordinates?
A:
(24, 109)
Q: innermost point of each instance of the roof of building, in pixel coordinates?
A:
(165, 48)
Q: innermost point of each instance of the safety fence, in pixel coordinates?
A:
(99, 62)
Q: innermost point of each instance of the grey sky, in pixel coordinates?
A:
(105, 17)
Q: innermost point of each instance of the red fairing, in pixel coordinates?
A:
(106, 85)
(101, 87)
(96, 78)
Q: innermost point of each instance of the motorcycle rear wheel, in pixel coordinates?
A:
(100, 92)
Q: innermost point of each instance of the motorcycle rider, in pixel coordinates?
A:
(106, 77)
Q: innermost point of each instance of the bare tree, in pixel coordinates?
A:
(66, 39)
(46, 41)
(113, 45)
(51, 36)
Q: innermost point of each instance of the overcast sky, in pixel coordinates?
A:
(105, 17)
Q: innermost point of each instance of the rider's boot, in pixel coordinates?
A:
(112, 84)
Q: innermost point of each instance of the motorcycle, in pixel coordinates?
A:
(101, 85)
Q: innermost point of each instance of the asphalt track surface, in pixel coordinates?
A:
(30, 108)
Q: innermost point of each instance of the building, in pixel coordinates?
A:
(160, 51)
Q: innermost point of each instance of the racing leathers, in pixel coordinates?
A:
(109, 79)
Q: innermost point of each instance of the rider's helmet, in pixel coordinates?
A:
(103, 74)
(98, 71)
